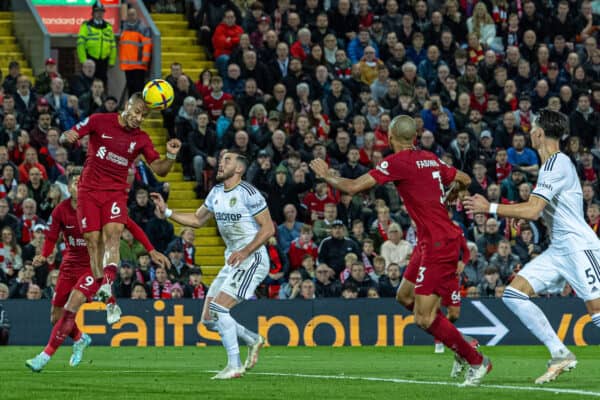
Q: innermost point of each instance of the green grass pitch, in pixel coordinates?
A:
(290, 373)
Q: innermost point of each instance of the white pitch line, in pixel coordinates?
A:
(434, 383)
(366, 378)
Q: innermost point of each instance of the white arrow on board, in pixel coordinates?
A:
(498, 330)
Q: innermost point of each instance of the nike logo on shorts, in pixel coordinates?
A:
(69, 226)
(115, 216)
(106, 136)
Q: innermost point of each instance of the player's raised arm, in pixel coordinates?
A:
(81, 129)
(195, 220)
(161, 167)
(350, 186)
(529, 210)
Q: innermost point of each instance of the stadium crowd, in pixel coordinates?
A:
(304, 79)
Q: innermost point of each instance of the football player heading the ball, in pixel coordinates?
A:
(115, 142)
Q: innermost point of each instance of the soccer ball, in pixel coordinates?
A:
(158, 94)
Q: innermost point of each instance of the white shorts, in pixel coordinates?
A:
(240, 282)
(549, 271)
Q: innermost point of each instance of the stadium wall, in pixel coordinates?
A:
(331, 322)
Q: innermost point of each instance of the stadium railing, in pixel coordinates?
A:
(31, 33)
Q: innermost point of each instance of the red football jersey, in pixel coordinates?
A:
(76, 256)
(420, 178)
(64, 219)
(111, 152)
(214, 106)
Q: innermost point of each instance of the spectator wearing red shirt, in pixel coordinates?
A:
(300, 49)
(215, 100)
(503, 168)
(479, 98)
(225, 39)
(315, 201)
(381, 133)
(302, 246)
(31, 161)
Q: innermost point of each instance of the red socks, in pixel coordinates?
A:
(443, 330)
(62, 329)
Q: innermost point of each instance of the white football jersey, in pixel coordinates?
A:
(558, 184)
(234, 211)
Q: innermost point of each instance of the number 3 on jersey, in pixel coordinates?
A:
(421, 274)
(436, 175)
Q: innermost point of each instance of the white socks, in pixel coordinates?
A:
(246, 335)
(534, 319)
(226, 326)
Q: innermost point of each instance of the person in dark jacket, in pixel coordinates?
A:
(202, 149)
(359, 279)
(585, 122)
(334, 248)
(325, 285)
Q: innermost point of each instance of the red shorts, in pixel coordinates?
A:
(83, 281)
(96, 209)
(436, 276)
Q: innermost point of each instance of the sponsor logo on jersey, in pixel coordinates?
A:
(73, 242)
(101, 153)
(232, 202)
(227, 217)
(131, 147)
(427, 164)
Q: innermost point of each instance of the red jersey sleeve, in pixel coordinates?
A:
(85, 127)
(447, 173)
(138, 234)
(149, 152)
(51, 237)
(390, 169)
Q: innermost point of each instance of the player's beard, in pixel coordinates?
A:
(224, 176)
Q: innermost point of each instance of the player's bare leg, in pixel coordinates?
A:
(64, 326)
(253, 340)
(55, 314)
(517, 299)
(406, 294)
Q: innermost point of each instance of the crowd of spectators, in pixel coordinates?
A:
(304, 79)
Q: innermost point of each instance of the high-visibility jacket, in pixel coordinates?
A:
(96, 41)
(135, 47)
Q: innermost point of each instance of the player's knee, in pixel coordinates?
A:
(453, 315)
(512, 296)
(423, 321)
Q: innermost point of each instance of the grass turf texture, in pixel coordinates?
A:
(182, 373)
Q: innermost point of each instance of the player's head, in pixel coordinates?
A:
(549, 125)
(135, 111)
(232, 163)
(73, 182)
(402, 132)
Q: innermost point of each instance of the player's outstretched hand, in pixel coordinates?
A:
(320, 167)
(476, 204)
(159, 258)
(38, 261)
(160, 204)
(69, 137)
(236, 258)
(173, 146)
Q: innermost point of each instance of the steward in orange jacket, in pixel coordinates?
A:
(135, 50)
